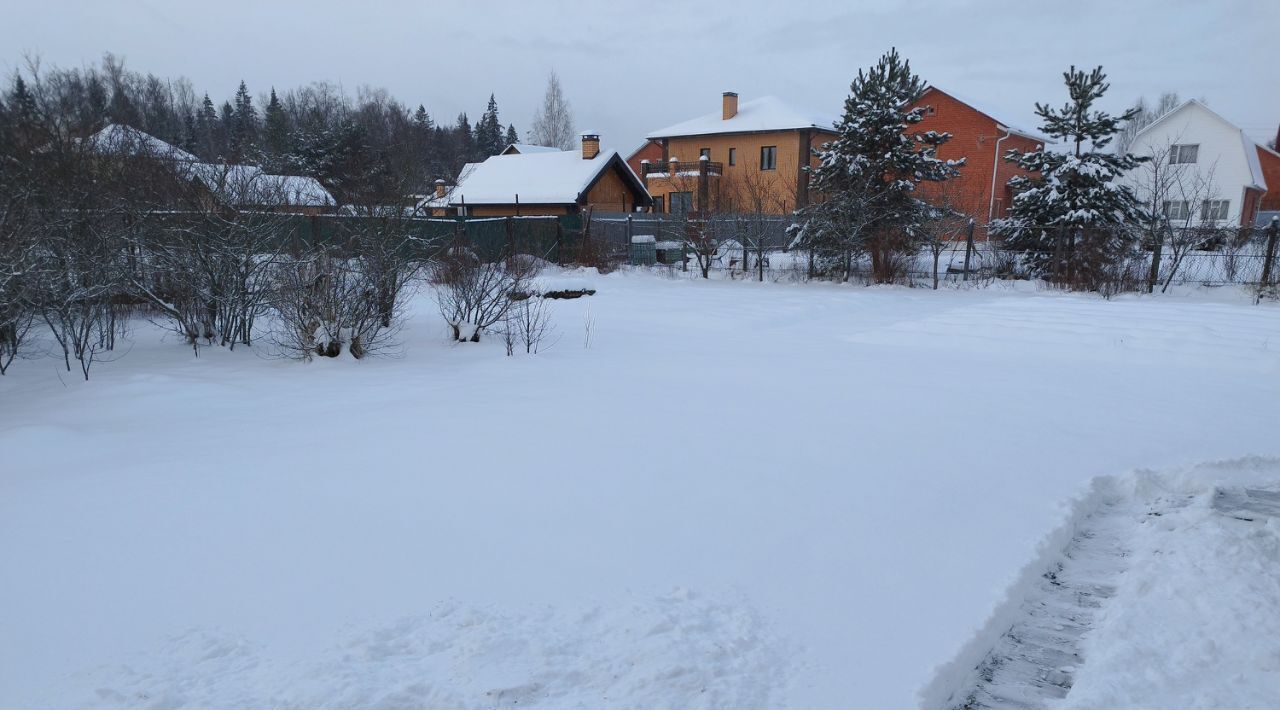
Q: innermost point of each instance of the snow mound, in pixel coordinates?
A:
(675, 651)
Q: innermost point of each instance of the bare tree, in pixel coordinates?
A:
(553, 124)
(1145, 116)
(756, 200)
(1176, 196)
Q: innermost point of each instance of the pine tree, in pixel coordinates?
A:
(553, 125)
(869, 173)
(1075, 221)
(512, 136)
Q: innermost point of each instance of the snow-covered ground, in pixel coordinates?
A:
(739, 495)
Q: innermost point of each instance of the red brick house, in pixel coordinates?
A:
(982, 189)
(1269, 160)
(650, 151)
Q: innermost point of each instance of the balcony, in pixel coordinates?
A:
(686, 168)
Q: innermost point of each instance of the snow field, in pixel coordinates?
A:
(847, 482)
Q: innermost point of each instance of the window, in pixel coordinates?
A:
(681, 202)
(733, 156)
(1214, 210)
(1180, 154)
(657, 204)
(705, 153)
(1177, 210)
(769, 157)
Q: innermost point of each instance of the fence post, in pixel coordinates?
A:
(559, 241)
(968, 250)
(511, 236)
(1268, 261)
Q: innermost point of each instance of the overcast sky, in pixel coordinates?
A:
(629, 68)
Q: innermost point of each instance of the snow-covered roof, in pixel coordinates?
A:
(558, 177)
(526, 148)
(119, 139)
(244, 185)
(1004, 126)
(1247, 144)
(767, 113)
(298, 190)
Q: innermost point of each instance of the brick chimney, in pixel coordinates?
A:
(590, 145)
(728, 105)
(440, 187)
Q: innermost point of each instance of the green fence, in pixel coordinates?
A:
(557, 239)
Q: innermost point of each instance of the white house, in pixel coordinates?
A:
(1203, 169)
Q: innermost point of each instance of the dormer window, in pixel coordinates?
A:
(1183, 154)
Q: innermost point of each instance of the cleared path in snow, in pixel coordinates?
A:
(1035, 663)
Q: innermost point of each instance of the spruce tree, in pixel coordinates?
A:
(244, 125)
(276, 133)
(465, 142)
(511, 137)
(422, 119)
(870, 171)
(489, 131)
(190, 133)
(208, 142)
(1075, 220)
(227, 131)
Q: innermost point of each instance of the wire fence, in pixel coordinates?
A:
(755, 246)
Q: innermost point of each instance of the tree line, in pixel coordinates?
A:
(371, 142)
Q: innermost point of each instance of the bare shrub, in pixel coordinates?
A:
(475, 295)
(531, 319)
(328, 306)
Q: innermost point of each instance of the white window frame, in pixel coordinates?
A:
(1177, 210)
(1215, 210)
(1184, 154)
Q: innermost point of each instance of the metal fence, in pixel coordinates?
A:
(1221, 257)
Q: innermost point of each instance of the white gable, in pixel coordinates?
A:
(767, 113)
(1226, 159)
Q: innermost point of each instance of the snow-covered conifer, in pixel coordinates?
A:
(1076, 220)
(869, 173)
